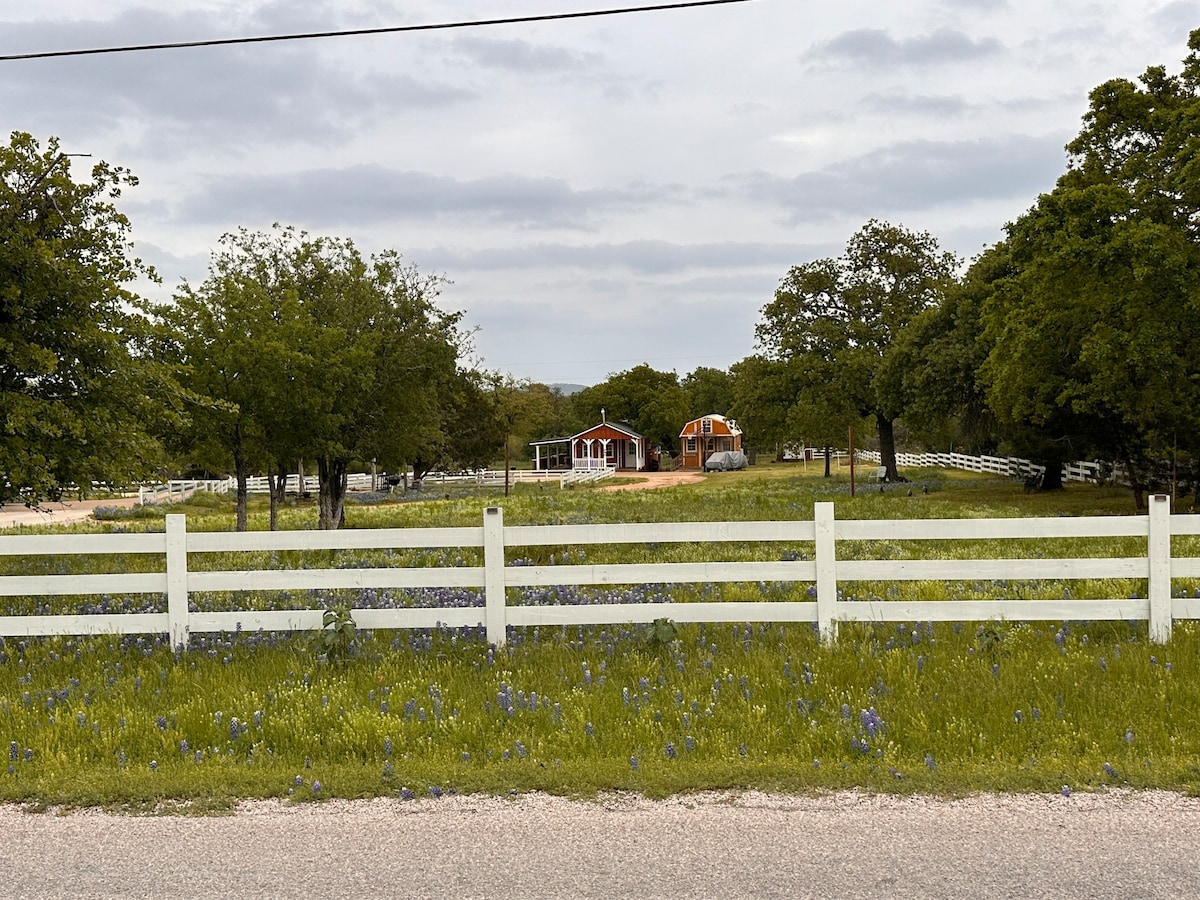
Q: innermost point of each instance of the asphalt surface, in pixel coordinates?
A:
(846, 845)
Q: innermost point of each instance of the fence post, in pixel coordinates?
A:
(826, 571)
(177, 589)
(1160, 568)
(493, 575)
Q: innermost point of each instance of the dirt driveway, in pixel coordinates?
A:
(649, 480)
(57, 513)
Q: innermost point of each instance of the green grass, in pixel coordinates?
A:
(941, 709)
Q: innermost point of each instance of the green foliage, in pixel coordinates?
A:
(652, 402)
(306, 350)
(74, 392)
(661, 634)
(837, 321)
(1092, 347)
(335, 642)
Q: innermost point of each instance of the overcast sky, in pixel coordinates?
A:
(600, 192)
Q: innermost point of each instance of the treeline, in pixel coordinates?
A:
(1074, 337)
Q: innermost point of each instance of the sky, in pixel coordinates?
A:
(599, 193)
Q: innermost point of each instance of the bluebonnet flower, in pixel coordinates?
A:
(28, 757)
(929, 763)
(258, 719)
(316, 787)
(1109, 770)
(1037, 714)
(1019, 716)
(670, 750)
(387, 746)
(1066, 790)
(742, 749)
(121, 758)
(162, 722)
(234, 730)
(1129, 735)
(154, 765)
(871, 722)
(183, 746)
(689, 743)
(435, 791)
(298, 780)
(405, 793)
(633, 763)
(995, 668)
(589, 730)
(13, 751)
(81, 719)
(845, 710)
(199, 755)
(520, 748)
(466, 756)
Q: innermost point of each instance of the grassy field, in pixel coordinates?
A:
(946, 709)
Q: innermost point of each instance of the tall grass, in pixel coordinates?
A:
(916, 707)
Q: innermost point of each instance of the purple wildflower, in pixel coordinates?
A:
(316, 787)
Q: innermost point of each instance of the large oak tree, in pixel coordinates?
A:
(75, 396)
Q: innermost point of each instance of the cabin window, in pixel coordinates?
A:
(706, 426)
(691, 445)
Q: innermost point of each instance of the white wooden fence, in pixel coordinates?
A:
(1089, 471)
(176, 491)
(823, 570)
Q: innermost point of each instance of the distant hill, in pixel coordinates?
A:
(567, 389)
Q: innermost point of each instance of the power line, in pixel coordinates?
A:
(398, 29)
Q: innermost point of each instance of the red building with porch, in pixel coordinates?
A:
(610, 444)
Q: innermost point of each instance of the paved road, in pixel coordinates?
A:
(845, 845)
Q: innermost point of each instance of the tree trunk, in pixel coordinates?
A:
(506, 464)
(332, 475)
(828, 454)
(886, 428)
(243, 494)
(1052, 479)
(278, 487)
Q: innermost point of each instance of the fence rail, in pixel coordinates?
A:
(819, 604)
(176, 491)
(1089, 471)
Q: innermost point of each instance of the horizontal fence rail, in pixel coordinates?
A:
(1013, 466)
(816, 578)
